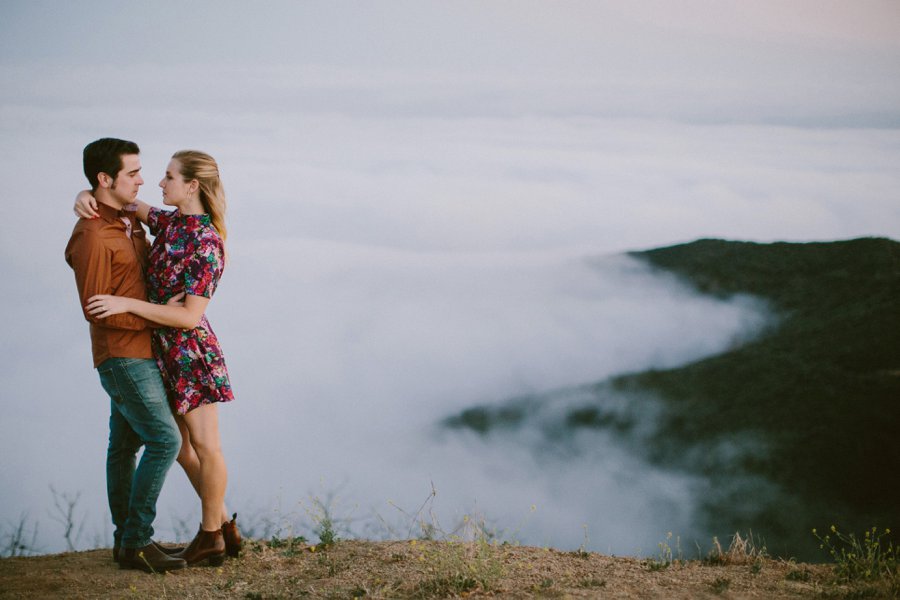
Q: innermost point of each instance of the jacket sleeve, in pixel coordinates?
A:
(91, 262)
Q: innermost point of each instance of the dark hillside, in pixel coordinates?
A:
(823, 388)
(795, 429)
(822, 287)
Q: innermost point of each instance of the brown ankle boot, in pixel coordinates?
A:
(170, 550)
(149, 558)
(206, 545)
(232, 537)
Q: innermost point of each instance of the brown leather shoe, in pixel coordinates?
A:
(170, 550)
(207, 545)
(232, 537)
(150, 559)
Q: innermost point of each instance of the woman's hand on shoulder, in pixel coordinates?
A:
(85, 205)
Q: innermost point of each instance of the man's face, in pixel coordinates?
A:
(127, 182)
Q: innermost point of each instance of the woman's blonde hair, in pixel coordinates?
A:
(202, 167)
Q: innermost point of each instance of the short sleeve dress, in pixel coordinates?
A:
(187, 256)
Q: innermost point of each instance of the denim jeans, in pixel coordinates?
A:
(139, 416)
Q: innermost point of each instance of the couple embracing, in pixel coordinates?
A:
(157, 356)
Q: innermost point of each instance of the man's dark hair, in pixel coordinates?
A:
(105, 156)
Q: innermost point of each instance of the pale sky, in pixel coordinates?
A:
(808, 62)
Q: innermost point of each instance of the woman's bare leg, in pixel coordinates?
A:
(187, 458)
(189, 461)
(202, 460)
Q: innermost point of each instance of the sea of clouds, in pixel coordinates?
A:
(408, 240)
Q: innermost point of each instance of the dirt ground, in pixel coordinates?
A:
(417, 569)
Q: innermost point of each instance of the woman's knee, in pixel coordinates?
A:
(186, 456)
(203, 431)
(206, 448)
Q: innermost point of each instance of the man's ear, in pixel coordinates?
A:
(104, 180)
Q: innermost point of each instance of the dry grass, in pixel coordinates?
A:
(741, 551)
(420, 569)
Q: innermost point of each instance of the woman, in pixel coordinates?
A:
(187, 258)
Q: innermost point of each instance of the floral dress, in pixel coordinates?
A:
(187, 256)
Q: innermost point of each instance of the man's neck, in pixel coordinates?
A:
(104, 197)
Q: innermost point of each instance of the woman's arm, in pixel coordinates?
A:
(86, 207)
(169, 315)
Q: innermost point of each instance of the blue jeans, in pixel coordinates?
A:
(139, 416)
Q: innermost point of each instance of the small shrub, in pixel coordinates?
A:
(855, 558)
(655, 565)
(323, 522)
(664, 559)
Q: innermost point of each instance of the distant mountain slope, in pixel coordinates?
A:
(811, 407)
(823, 387)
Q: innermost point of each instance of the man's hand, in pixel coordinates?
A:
(85, 205)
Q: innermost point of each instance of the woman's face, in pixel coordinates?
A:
(174, 189)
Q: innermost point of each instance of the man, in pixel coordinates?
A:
(109, 256)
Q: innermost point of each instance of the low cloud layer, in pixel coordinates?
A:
(344, 364)
(413, 216)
